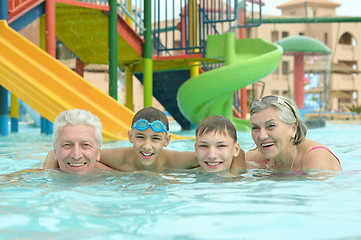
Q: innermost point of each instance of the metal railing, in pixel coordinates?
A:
(127, 9)
(182, 26)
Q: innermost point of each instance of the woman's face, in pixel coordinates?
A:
(273, 137)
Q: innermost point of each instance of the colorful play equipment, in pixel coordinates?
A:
(50, 87)
(299, 47)
(97, 33)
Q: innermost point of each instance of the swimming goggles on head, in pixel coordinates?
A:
(143, 124)
(267, 100)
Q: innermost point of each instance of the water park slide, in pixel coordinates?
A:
(246, 62)
(50, 87)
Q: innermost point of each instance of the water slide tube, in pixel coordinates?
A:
(50, 87)
(246, 62)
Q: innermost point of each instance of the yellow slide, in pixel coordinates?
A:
(50, 87)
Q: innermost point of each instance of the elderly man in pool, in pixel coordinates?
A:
(77, 139)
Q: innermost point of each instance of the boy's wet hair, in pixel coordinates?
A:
(217, 124)
(151, 114)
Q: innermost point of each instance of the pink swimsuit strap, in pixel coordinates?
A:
(323, 148)
(267, 160)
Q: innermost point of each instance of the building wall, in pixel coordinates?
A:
(344, 89)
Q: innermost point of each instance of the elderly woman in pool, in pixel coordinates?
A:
(279, 134)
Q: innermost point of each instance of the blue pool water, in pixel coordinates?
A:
(179, 204)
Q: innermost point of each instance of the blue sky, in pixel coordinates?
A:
(347, 8)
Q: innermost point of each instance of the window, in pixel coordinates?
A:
(285, 34)
(352, 64)
(274, 36)
(301, 33)
(347, 39)
(285, 67)
(275, 92)
(325, 38)
(313, 12)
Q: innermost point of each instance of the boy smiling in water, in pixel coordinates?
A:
(149, 135)
(216, 144)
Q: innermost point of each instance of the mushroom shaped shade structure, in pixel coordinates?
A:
(300, 46)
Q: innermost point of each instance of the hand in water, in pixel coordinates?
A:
(271, 165)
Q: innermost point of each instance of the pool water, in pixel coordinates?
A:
(178, 204)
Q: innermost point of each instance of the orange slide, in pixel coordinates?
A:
(50, 87)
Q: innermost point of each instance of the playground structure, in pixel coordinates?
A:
(161, 61)
(50, 87)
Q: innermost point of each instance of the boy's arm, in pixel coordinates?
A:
(115, 157)
(50, 162)
(181, 159)
(102, 166)
(239, 162)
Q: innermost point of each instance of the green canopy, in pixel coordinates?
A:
(307, 45)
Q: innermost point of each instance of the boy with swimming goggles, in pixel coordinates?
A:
(149, 135)
(216, 144)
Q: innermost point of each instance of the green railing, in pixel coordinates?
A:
(182, 26)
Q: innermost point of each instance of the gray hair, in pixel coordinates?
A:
(74, 117)
(288, 113)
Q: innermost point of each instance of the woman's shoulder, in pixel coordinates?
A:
(317, 155)
(252, 153)
(308, 144)
(254, 159)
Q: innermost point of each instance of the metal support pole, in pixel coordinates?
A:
(4, 94)
(50, 46)
(113, 50)
(148, 62)
(129, 88)
(299, 82)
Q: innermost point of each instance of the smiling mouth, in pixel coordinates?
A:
(146, 155)
(267, 145)
(76, 165)
(213, 164)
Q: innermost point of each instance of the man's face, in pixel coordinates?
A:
(77, 149)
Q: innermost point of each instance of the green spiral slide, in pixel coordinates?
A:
(211, 93)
